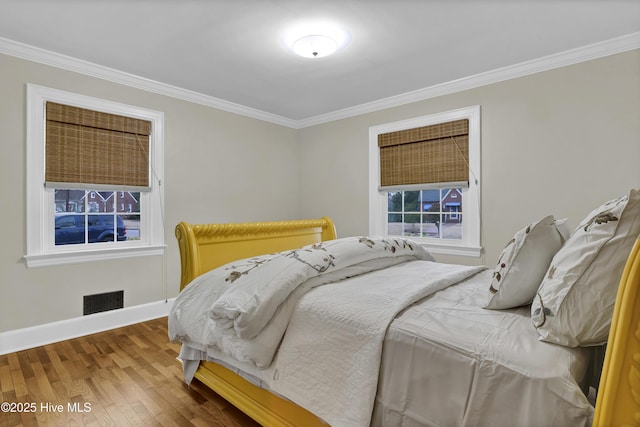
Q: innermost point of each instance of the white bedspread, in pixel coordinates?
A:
(448, 362)
(333, 371)
(243, 308)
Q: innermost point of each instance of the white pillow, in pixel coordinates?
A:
(574, 304)
(523, 263)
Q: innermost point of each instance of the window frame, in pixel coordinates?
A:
(41, 249)
(470, 244)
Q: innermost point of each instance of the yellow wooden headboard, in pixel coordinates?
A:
(618, 402)
(204, 247)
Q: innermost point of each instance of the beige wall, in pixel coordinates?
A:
(559, 142)
(219, 167)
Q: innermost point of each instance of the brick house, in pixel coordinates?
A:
(97, 201)
(452, 205)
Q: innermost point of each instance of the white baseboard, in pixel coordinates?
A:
(35, 336)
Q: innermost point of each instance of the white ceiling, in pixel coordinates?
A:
(232, 50)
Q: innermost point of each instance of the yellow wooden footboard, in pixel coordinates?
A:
(207, 246)
(261, 405)
(618, 402)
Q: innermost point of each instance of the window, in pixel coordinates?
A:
(428, 189)
(72, 218)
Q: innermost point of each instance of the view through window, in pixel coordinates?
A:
(89, 216)
(435, 213)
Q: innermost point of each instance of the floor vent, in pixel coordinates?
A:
(103, 302)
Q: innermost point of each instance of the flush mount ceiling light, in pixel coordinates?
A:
(316, 40)
(314, 46)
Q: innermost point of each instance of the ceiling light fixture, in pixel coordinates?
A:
(314, 46)
(316, 39)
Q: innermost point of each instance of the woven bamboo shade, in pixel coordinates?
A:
(85, 147)
(436, 154)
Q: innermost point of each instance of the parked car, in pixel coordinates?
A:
(70, 229)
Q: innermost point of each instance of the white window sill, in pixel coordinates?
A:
(51, 259)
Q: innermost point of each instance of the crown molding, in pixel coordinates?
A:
(558, 60)
(46, 57)
(550, 62)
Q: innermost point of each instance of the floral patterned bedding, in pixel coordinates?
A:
(243, 308)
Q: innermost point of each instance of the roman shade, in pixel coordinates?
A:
(95, 150)
(434, 156)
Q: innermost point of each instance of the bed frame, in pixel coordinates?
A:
(618, 402)
(207, 246)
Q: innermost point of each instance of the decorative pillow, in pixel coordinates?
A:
(523, 263)
(574, 304)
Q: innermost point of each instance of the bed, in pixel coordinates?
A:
(445, 357)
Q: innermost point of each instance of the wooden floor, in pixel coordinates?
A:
(127, 376)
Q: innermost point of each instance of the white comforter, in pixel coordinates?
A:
(447, 361)
(244, 309)
(334, 371)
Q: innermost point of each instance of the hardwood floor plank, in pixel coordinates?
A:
(57, 365)
(19, 384)
(127, 376)
(6, 381)
(25, 367)
(141, 410)
(28, 420)
(14, 362)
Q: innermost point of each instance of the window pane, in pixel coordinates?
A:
(412, 201)
(96, 201)
(100, 228)
(394, 224)
(131, 227)
(412, 226)
(128, 202)
(69, 229)
(452, 199)
(69, 201)
(430, 200)
(452, 228)
(452, 213)
(128, 206)
(431, 225)
(394, 201)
